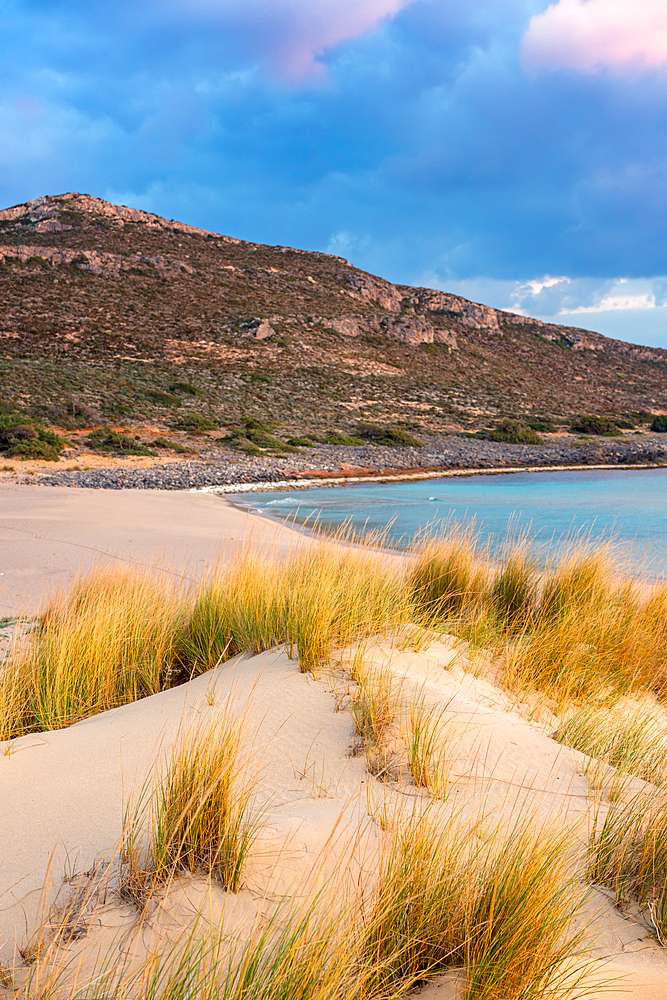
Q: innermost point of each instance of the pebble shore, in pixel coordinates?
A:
(220, 467)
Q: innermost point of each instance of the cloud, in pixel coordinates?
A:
(557, 299)
(290, 34)
(428, 157)
(589, 35)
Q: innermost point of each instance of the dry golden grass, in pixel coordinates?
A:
(317, 598)
(499, 910)
(577, 631)
(630, 737)
(628, 854)
(426, 741)
(109, 641)
(449, 573)
(198, 814)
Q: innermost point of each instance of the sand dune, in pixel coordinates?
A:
(68, 790)
(321, 816)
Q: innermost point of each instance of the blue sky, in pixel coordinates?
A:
(509, 150)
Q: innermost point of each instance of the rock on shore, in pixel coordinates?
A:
(220, 468)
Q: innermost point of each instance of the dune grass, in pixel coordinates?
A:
(577, 630)
(499, 910)
(108, 641)
(495, 911)
(629, 737)
(198, 814)
(374, 709)
(514, 592)
(449, 572)
(425, 742)
(303, 952)
(628, 854)
(605, 649)
(374, 706)
(315, 599)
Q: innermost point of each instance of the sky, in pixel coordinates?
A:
(512, 151)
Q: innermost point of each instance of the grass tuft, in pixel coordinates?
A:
(449, 573)
(107, 642)
(425, 743)
(500, 911)
(630, 738)
(199, 814)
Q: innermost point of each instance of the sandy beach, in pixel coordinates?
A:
(66, 791)
(51, 534)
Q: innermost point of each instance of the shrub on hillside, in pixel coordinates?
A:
(195, 423)
(660, 425)
(593, 424)
(346, 440)
(162, 398)
(71, 413)
(391, 437)
(21, 437)
(543, 425)
(104, 439)
(185, 388)
(163, 442)
(514, 432)
(252, 436)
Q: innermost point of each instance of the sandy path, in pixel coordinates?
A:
(49, 534)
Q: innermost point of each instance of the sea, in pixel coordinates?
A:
(625, 507)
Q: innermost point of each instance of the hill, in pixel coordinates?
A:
(112, 314)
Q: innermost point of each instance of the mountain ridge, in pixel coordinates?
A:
(102, 290)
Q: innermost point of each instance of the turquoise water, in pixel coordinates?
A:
(630, 505)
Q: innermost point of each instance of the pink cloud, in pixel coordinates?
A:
(291, 34)
(588, 35)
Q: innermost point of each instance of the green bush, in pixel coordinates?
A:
(252, 437)
(299, 442)
(163, 442)
(104, 439)
(263, 440)
(253, 424)
(21, 437)
(391, 437)
(162, 398)
(660, 425)
(255, 435)
(514, 432)
(185, 388)
(195, 423)
(592, 424)
(543, 426)
(71, 414)
(333, 437)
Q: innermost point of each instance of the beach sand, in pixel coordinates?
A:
(65, 793)
(50, 534)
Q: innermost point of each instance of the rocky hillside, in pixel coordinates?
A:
(109, 314)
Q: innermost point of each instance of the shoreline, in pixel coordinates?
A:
(403, 477)
(456, 455)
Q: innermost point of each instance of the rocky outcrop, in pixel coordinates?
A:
(461, 310)
(413, 329)
(406, 327)
(53, 213)
(260, 329)
(368, 288)
(349, 326)
(97, 262)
